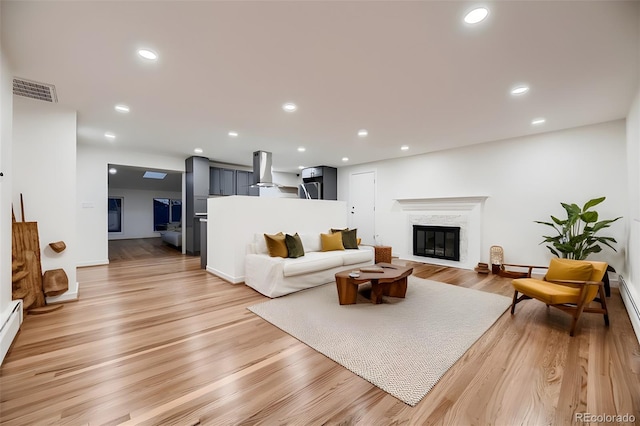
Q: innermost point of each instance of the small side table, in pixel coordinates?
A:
(382, 254)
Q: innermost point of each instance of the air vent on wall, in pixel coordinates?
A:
(34, 90)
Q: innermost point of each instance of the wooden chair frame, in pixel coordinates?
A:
(575, 310)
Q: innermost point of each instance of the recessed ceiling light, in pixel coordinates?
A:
(148, 54)
(198, 150)
(301, 149)
(233, 134)
(300, 167)
(520, 90)
(122, 108)
(109, 135)
(289, 107)
(362, 133)
(538, 121)
(113, 171)
(476, 15)
(404, 147)
(345, 159)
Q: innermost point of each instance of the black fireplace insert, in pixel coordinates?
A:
(440, 242)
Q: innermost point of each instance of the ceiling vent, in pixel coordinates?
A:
(34, 90)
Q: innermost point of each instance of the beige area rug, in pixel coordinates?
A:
(403, 346)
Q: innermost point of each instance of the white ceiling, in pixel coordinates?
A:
(411, 73)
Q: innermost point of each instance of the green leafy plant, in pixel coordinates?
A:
(576, 237)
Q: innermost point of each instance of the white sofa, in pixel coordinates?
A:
(173, 234)
(277, 276)
(172, 237)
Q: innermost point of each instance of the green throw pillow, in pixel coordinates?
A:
(294, 245)
(350, 238)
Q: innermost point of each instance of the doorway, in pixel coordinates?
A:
(362, 205)
(145, 212)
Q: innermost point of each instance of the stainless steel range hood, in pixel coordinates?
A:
(262, 169)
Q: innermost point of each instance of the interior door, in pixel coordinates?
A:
(362, 205)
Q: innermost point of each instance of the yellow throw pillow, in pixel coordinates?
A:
(569, 269)
(331, 241)
(276, 245)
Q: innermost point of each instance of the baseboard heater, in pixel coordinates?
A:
(10, 327)
(630, 304)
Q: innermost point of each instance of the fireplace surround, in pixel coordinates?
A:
(464, 212)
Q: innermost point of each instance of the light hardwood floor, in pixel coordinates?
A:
(160, 341)
(141, 248)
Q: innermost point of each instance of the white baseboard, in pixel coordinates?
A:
(92, 263)
(632, 304)
(65, 297)
(229, 278)
(11, 320)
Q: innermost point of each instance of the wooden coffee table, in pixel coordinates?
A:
(392, 282)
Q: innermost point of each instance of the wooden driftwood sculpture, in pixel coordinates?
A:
(26, 266)
(58, 246)
(26, 251)
(55, 282)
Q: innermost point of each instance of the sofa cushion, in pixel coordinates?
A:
(311, 241)
(260, 244)
(331, 242)
(276, 245)
(568, 269)
(294, 245)
(353, 256)
(548, 293)
(312, 262)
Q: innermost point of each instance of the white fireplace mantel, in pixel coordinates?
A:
(441, 203)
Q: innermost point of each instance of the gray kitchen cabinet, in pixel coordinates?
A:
(197, 190)
(222, 181)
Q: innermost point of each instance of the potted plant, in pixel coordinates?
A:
(576, 237)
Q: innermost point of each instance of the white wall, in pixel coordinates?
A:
(631, 292)
(6, 105)
(92, 193)
(525, 180)
(288, 182)
(10, 317)
(137, 214)
(44, 165)
(233, 222)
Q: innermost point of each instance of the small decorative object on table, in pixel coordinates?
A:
(374, 269)
(482, 268)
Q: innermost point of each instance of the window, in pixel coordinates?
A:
(166, 212)
(114, 214)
